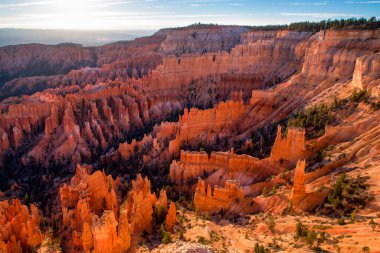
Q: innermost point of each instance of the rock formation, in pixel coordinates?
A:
(171, 217)
(219, 167)
(290, 148)
(90, 208)
(200, 39)
(140, 205)
(86, 197)
(19, 227)
(366, 74)
(213, 201)
(298, 191)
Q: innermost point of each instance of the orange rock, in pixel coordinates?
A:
(51, 123)
(86, 196)
(4, 144)
(171, 217)
(219, 199)
(298, 191)
(104, 233)
(17, 136)
(140, 205)
(199, 164)
(290, 148)
(89, 197)
(162, 200)
(69, 121)
(124, 231)
(87, 241)
(366, 73)
(19, 227)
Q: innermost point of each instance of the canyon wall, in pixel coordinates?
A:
(198, 39)
(70, 124)
(37, 59)
(366, 74)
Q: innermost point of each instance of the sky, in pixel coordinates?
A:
(156, 14)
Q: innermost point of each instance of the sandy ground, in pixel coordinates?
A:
(242, 234)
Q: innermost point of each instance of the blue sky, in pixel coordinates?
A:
(155, 14)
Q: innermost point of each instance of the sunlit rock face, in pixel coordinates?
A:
(86, 198)
(289, 148)
(217, 199)
(91, 210)
(366, 74)
(19, 227)
(218, 167)
(171, 217)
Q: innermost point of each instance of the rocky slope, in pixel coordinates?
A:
(185, 107)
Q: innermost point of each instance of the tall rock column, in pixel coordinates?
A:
(299, 189)
(171, 217)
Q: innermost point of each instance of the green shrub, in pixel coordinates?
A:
(203, 240)
(348, 195)
(271, 224)
(167, 238)
(301, 230)
(313, 119)
(359, 96)
(160, 214)
(373, 224)
(311, 237)
(366, 249)
(259, 248)
(321, 227)
(265, 192)
(353, 216)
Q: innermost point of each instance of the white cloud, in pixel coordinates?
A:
(319, 14)
(26, 4)
(363, 2)
(304, 3)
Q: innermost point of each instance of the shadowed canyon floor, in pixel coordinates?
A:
(195, 139)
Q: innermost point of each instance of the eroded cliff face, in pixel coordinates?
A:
(218, 167)
(200, 39)
(267, 57)
(37, 59)
(290, 148)
(219, 198)
(309, 189)
(366, 74)
(19, 226)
